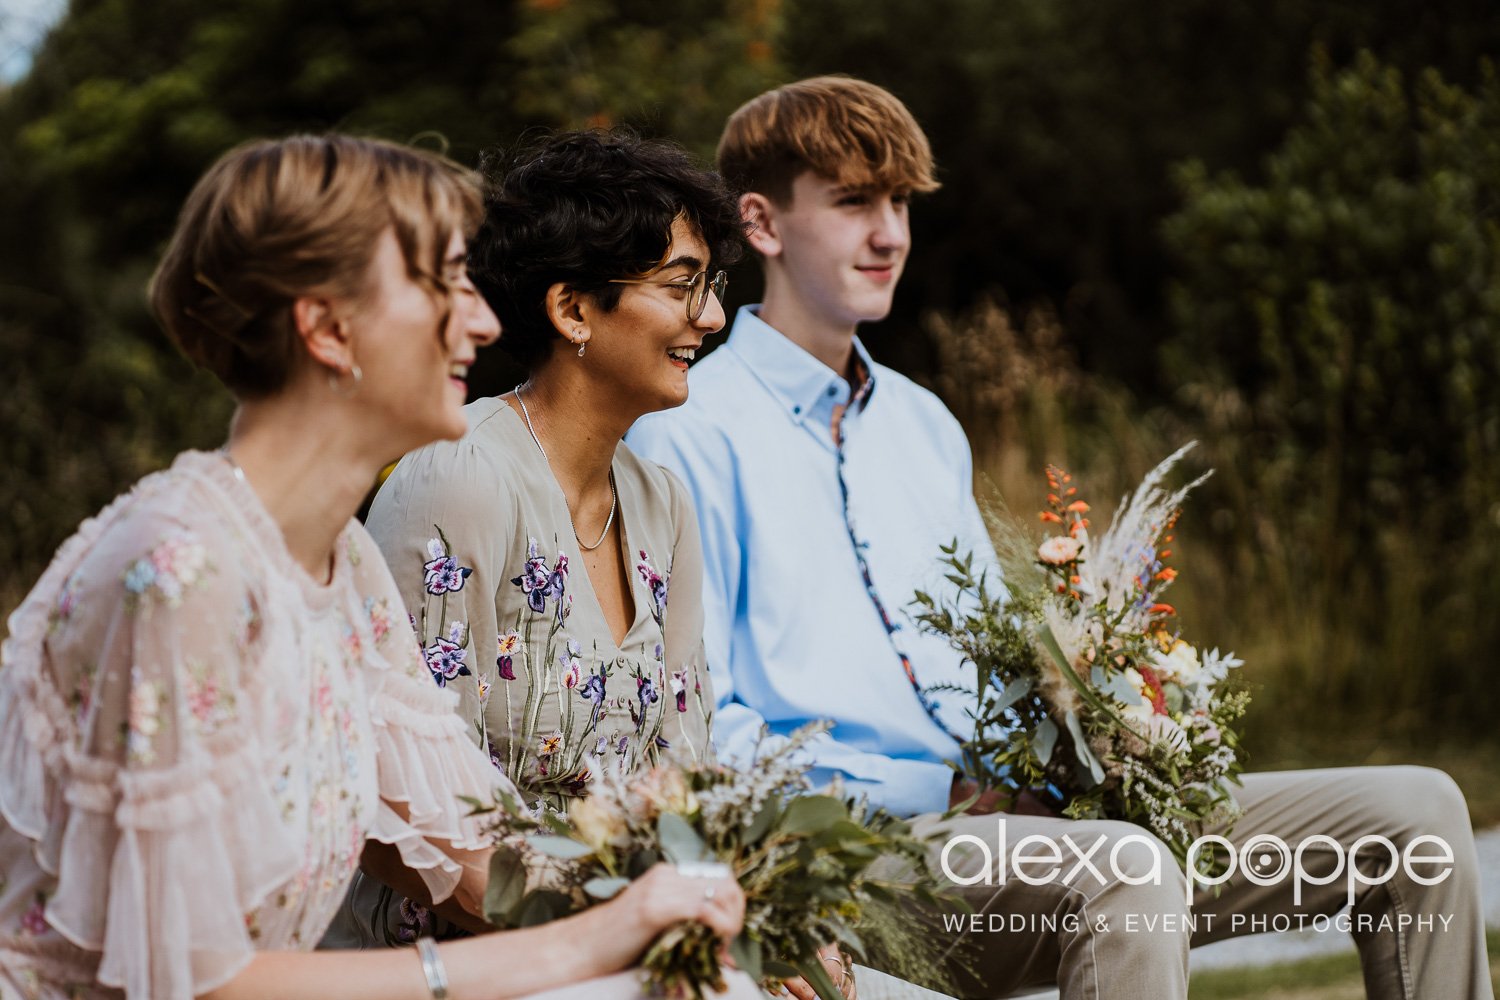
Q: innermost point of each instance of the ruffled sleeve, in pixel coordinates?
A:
(129, 755)
(428, 764)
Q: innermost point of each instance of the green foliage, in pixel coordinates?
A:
(129, 100)
(1353, 295)
(806, 864)
(1338, 336)
(1056, 124)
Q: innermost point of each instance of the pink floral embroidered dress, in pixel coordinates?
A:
(196, 740)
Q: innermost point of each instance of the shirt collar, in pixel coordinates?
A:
(805, 386)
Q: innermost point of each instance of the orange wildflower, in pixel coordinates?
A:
(1078, 507)
(1162, 609)
(1169, 574)
(1047, 515)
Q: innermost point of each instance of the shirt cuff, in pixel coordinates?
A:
(908, 787)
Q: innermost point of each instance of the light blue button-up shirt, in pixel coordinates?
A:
(806, 541)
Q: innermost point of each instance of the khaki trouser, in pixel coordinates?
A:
(1101, 936)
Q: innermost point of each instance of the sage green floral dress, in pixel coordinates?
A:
(478, 537)
(197, 740)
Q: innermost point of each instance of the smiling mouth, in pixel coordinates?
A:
(682, 354)
(459, 370)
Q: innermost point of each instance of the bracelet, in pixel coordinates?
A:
(433, 968)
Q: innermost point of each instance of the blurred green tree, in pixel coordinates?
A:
(1056, 124)
(129, 100)
(1337, 336)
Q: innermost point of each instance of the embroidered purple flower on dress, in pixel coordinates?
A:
(441, 573)
(656, 584)
(556, 588)
(541, 584)
(577, 784)
(416, 920)
(593, 688)
(646, 694)
(507, 645)
(646, 691)
(445, 657)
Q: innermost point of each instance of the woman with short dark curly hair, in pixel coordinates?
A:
(586, 209)
(537, 553)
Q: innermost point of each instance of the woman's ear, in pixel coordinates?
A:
(566, 308)
(325, 336)
(760, 212)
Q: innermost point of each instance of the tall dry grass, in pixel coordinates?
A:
(1343, 668)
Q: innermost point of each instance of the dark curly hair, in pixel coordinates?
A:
(582, 208)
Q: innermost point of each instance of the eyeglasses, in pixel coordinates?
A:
(698, 286)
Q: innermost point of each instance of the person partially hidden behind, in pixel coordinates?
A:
(825, 483)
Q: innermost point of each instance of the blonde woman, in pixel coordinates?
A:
(212, 702)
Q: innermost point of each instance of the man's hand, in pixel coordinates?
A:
(837, 965)
(994, 800)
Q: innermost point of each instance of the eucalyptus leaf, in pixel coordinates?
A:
(810, 814)
(679, 841)
(747, 955)
(563, 848)
(605, 888)
(543, 906)
(1115, 685)
(1014, 692)
(506, 886)
(1081, 747)
(763, 820)
(1045, 741)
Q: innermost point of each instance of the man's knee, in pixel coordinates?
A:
(1408, 801)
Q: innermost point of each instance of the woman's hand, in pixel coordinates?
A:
(664, 896)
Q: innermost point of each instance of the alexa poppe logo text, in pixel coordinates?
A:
(1139, 859)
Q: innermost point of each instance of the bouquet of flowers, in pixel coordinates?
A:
(1085, 693)
(804, 863)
